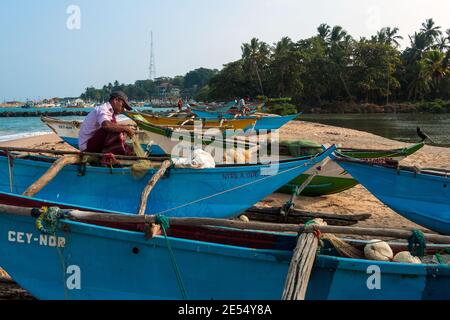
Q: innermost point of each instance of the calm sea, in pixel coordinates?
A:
(400, 127)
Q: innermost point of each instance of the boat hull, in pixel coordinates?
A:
(92, 262)
(420, 197)
(216, 192)
(332, 178)
(235, 124)
(262, 123)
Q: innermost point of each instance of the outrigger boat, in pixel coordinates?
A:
(420, 195)
(211, 192)
(77, 257)
(331, 177)
(154, 139)
(189, 123)
(263, 122)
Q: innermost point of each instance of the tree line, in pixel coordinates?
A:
(331, 66)
(188, 85)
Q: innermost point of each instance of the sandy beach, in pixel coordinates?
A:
(355, 200)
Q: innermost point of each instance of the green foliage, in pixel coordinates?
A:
(329, 68)
(437, 106)
(334, 67)
(279, 100)
(203, 94)
(189, 85)
(282, 109)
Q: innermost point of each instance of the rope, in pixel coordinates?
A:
(47, 222)
(417, 244)
(163, 221)
(229, 190)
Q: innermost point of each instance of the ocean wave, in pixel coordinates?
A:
(15, 136)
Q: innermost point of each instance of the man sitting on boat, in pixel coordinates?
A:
(242, 107)
(100, 132)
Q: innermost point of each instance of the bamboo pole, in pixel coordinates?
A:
(10, 171)
(301, 265)
(64, 152)
(78, 215)
(55, 168)
(148, 188)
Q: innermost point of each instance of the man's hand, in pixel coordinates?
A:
(129, 131)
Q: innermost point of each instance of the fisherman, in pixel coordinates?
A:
(242, 107)
(100, 132)
(180, 105)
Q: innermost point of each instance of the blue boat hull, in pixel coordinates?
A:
(419, 197)
(263, 123)
(274, 123)
(219, 192)
(93, 262)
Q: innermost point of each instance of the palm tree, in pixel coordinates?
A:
(339, 47)
(442, 43)
(435, 67)
(283, 46)
(392, 37)
(431, 31)
(256, 55)
(324, 31)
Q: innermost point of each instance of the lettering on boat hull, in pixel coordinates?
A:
(41, 239)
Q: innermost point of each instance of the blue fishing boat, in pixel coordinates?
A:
(213, 115)
(80, 260)
(217, 108)
(262, 123)
(223, 191)
(422, 196)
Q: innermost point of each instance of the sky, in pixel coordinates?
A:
(58, 48)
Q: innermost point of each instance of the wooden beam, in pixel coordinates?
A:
(149, 187)
(55, 168)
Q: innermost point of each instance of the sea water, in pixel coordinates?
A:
(400, 127)
(12, 128)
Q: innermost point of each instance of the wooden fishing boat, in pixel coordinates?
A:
(420, 195)
(263, 122)
(223, 108)
(189, 123)
(112, 260)
(154, 139)
(331, 177)
(223, 191)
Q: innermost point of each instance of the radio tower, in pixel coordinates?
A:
(152, 72)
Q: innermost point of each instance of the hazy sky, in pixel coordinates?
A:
(41, 57)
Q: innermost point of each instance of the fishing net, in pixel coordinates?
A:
(301, 148)
(139, 168)
(342, 247)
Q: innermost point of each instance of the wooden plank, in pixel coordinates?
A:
(149, 187)
(301, 265)
(55, 168)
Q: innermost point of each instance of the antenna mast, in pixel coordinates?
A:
(152, 72)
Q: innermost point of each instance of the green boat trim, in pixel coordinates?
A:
(325, 185)
(372, 154)
(319, 186)
(168, 132)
